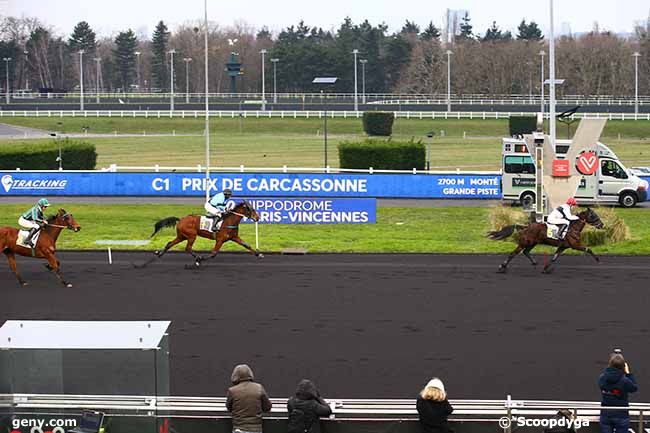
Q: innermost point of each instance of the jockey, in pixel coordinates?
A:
(562, 216)
(33, 219)
(216, 206)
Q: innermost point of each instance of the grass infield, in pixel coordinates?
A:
(398, 230)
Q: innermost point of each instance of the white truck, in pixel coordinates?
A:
(611, 184)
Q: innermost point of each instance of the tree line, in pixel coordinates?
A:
(412, 60)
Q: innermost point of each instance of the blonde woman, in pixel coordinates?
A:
(434, 408)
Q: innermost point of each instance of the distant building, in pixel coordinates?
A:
(452, 21)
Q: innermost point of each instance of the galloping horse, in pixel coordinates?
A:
(188, 228)
(45, 246)
(535, 233)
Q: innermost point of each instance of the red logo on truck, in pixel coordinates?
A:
(587, 163)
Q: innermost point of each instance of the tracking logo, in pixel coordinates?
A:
(9, 183)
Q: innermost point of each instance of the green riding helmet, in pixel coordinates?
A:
(43, 203)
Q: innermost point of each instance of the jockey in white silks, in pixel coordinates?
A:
(562, 216)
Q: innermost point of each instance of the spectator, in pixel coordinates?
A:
(433, 408)
(246, 400)
(615, 383)
(305, 408)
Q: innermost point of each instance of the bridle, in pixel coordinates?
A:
(63, 217)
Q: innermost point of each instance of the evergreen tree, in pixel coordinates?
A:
(159, 43)
(431, 32)
(82, 38)
(495, 34)
(529, 32)
(466, 32)
(126, 44)
(263, 34)
(410, 28)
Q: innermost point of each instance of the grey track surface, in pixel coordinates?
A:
(366, 326)
(10, 131)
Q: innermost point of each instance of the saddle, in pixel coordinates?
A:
(553, 232)
(206, 224)
(22, 237)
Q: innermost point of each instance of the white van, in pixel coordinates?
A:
(611, 184)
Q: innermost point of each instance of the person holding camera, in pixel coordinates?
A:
(615, 383)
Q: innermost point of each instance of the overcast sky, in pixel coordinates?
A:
(108, 17)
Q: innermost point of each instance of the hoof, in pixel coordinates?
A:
(502, 269)
(68, 285)
(23, 283)
(534, 263)
(547, 271)
(197, 263)
(156, 253)
(260, 256)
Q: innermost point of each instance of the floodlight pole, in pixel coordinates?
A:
(263, 53)
(551, 54)
(363, 80)
(137, 69)
(356, 95)
(171, 97)
(449, 53)
(325, 134)
(7, 60)
(207, 106)
(636, 82)
(97, 61)
(542, 53)
(81, 80)
(187, 61)
(275, 81)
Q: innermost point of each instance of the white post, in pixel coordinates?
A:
(363, 80)
(171, 98)
(187, 61)
(551, 54)
(449, 53)
(356, 95)
(81, 80)
(263, 52)
(542, 54)
(7, 60)
(257, 237)
(137, 69)
(97, 61)
(207, 107)
(275, 81)
(636, 82)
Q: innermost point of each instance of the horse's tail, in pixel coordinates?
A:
(167, 222)
(504, 233)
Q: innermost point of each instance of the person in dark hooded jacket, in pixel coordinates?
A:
(246, 400)
(615, 383)
(305, 408)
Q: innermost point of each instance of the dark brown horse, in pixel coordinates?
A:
(188, 229)
(45, 247)
(535, 233)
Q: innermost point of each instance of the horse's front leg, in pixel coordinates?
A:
(549, 267)
(253, 251)
(503, 267)
(586, 250)
(11, 258)
(54, 266)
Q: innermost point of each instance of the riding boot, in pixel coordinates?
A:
(563, 230)
(28, 241)
(216, 221)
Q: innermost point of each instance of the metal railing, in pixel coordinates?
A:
(344, 409)
(300, 114)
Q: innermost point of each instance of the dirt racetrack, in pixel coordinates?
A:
(365, 326)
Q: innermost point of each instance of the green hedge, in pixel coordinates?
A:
(76, 155)
(520, 125)
(378, 123)
(382, 154)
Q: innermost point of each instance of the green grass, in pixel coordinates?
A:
(401, 230)
(299, 142)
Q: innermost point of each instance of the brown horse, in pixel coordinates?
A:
(45, 247)
(188, 228)
(535, 233)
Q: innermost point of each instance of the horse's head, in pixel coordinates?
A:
(245, 208)
(590, 217)
(62, 218)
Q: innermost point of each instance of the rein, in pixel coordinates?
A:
(56, 226)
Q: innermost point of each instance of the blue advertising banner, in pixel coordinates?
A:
(315, 210)
(252, 184)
